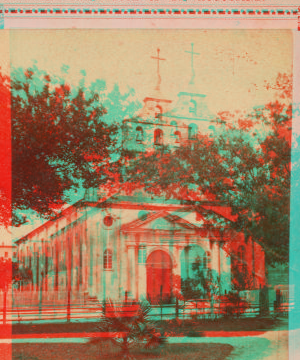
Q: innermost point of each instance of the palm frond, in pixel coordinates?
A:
(135, 329)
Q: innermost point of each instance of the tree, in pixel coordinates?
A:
(63, 138)
(258, 164)
(246, 166)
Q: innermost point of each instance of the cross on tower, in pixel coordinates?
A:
(158, 74)
(192, 62)
(233, 57)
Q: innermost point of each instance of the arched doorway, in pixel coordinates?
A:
(159, 277)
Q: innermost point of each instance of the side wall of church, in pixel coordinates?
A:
(46, 251)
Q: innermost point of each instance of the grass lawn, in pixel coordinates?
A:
(192, 327)
(65, 351)
(173, 328)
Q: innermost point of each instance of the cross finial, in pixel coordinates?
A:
(192, 62)
(158, 73)
(233, 57)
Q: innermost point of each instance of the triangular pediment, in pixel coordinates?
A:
(160, 221)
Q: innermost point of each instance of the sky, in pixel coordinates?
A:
(124, 57)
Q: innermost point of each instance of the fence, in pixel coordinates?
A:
(45, 306)
(280, 299)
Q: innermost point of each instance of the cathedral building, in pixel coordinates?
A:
(140, 246)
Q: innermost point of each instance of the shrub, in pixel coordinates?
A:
(130, 326)
(232, 305)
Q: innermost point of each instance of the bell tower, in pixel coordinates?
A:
(149, 129)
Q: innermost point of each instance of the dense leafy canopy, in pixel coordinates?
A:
(246, 165)
(63, 137)
(67, 136)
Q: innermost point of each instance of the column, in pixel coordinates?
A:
(95, 260)
(92, 234)
(73, 262)
(68, 271)
(106, 284)
(77, 262)
(101, 245)
(118, 283)
(225, 269)
(131, 270)
(142, 275)
(187, 262)
(177, 271)
(90, 250)
(177, 267)
(215, 258)
(84, 258)
(124, 266)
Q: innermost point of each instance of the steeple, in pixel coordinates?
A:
(191, 104)
(156, 103)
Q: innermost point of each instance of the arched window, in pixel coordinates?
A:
(107, 259)
(142, 253)
(193, 131)
(177, 135)
(139, 135)
(193, 107)
(158, 137)
(206, 260)
(158, 111)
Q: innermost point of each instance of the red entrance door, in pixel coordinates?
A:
(159, 277)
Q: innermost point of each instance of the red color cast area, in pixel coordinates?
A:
(5, 178)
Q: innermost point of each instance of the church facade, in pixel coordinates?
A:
(130, 246)
(135, 245)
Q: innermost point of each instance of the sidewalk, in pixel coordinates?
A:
(252, 346)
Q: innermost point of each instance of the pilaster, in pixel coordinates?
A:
(225, 269)
(132, 270)
(215, 258)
